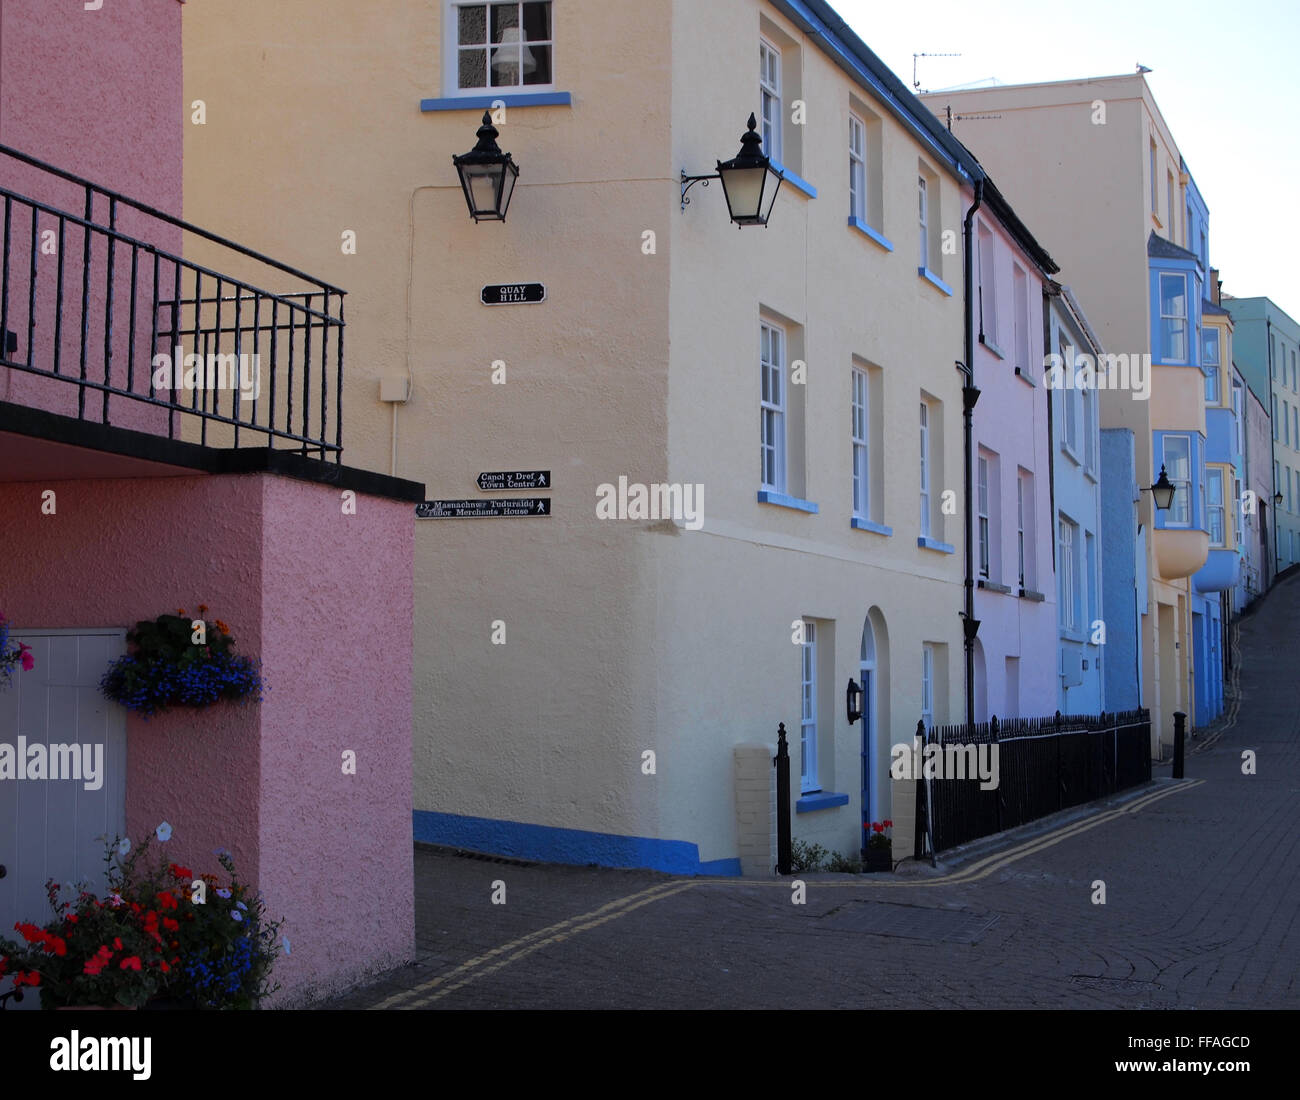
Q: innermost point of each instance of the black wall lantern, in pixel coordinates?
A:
(749, 181)
(1163, 491)
(487, 175)
(853, 701)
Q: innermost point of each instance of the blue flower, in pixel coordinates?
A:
(164, 832)
(222, 892)
(235, 914)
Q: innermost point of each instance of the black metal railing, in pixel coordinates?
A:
(103, 319)
(1043, 765)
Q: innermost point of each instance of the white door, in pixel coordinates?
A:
(48, 827)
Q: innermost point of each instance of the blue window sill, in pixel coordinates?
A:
(927, 543)
(930, 277)
(863, 228)
(867, 525)
(795, 182)
(767, 496)
(1023, 375)
(510, 99)
(821, 800)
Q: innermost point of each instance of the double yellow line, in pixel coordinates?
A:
(489, 962)
(482, 965)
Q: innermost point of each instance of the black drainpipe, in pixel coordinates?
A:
(969, 395)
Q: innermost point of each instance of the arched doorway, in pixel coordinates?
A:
(867, 677)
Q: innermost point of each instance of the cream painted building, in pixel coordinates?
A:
(1107, 176)
(585, 686)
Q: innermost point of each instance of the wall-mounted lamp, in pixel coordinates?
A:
(1162, 491)
(749, 181)
(487, 175)
(853, 701)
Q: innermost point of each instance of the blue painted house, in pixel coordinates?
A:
(1124, 574)
(1075, 450)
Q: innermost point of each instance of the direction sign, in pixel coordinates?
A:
(479, 508)
(514, 479)
(511, 294)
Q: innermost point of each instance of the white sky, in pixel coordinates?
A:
(1226, 77)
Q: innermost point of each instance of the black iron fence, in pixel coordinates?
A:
(102, 319)
(976, 780)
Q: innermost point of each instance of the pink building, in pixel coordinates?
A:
(122, 498)
(1015, 650)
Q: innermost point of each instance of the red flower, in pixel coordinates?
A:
(889, 824)
(30, 932)
(28, 977)
(73, 918)
(181, 872)
(117, 942)
(876, 827)
(171, 925)
(131, 962)
(166, 901)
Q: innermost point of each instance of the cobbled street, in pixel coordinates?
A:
(1202, 903)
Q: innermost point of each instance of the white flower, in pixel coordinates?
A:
(124, 845)
(163, 832)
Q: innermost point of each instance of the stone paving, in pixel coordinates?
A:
(1202, 881)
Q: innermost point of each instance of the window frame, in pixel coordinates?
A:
(860, 437)
(988, 288)
(925, 500)
(1167, 320)
(1213, 475)
(1068, 596)
(858, 207)
(1183, 486)
(927, 684)
(769, 91)
(982, 513)
(1020, 528)
(773, 371)
(1020, 319)
(923, 204)
(1210, 338)
(809, 776)
(452, 50)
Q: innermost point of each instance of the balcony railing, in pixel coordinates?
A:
(103, 319)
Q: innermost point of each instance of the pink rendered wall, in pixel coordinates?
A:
(336, 642)
(325, 600)
(95, 93)
(119, 551)
(1011, 420)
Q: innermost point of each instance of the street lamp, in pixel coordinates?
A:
(1163, 491)
(487, 175)
(853, 701)
(1277, 499)
(749, 181)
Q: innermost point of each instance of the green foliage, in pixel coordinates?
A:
(846, 865)
(807, 857)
